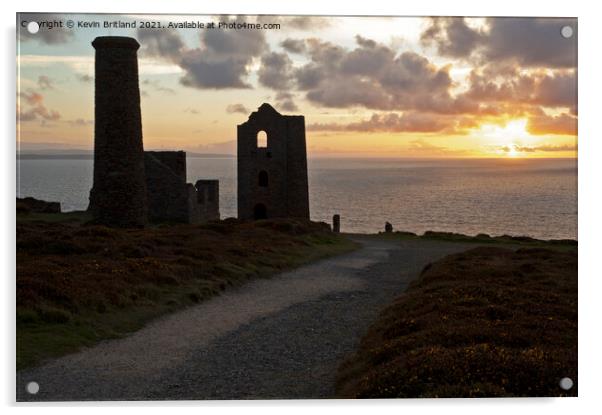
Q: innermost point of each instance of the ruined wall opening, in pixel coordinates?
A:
(263, 178)
(262, 139)
(260, 211)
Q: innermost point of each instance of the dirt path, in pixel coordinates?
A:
(277, 338)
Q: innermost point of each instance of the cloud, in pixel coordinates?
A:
(161, 43)
(393, 122)
(225, 59)
(32, 98)
(37, 110)
(237, 108)
(546, 148)
(562, 124)
(305, 23)
(45, 82)
(81, 122)
(532, 42)
(515, 91)
(49, 34)
(529, 41)
(285, 102)
(85, 78)
(452, 36)
(421, 147)
(222, 61)
(276, 71)
(157, 86)
(373, 76)
(293, 45)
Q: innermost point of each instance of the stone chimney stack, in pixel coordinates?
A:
(118, 196)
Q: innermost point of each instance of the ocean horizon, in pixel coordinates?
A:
(519, 197)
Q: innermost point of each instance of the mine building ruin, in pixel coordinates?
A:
(170, 197)
(132, 186)
(272, 166)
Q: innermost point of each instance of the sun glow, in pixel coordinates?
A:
(508, 133)
(505, 139)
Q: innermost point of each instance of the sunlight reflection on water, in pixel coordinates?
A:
(537, 198)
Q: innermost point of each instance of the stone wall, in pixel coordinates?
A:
(284, 161)
(167, 191)
(207, 198)
(170, 198)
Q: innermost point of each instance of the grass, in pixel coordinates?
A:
(489, 322)
(77, 285)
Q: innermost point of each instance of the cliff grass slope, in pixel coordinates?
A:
(79, 284)
(487, 322)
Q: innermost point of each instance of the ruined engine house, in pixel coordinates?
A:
(272, 166)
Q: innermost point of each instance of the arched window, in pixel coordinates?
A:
(262, 139)
(263, 178)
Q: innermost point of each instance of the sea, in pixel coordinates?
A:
(519, 197)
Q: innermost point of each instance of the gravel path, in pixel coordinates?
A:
(277, 338)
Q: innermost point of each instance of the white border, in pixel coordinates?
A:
(590, 232)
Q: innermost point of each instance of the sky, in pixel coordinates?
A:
(367, 86)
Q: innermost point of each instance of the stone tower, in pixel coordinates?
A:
(272, 172)
(118, 196)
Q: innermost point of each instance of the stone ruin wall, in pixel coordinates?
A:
(118, 196)
(284, 160)
(130, 185)
(171, 198)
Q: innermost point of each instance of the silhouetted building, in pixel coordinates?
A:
(132, 186)
(118, 196)
(272, 166)
(170, 197)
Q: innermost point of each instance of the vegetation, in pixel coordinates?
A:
(487, 322)
(483, 238)
(79, 284)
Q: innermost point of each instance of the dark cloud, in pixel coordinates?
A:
(530, 42)
(222, 61)
(369, 59)
(163, 43)
(373, 76)
(49, 33)
(452, 36)
(494, 84)
(293, 45)
(237, 108)
(276, 71)
(310, 76)
(285, 102)
(556, 91)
